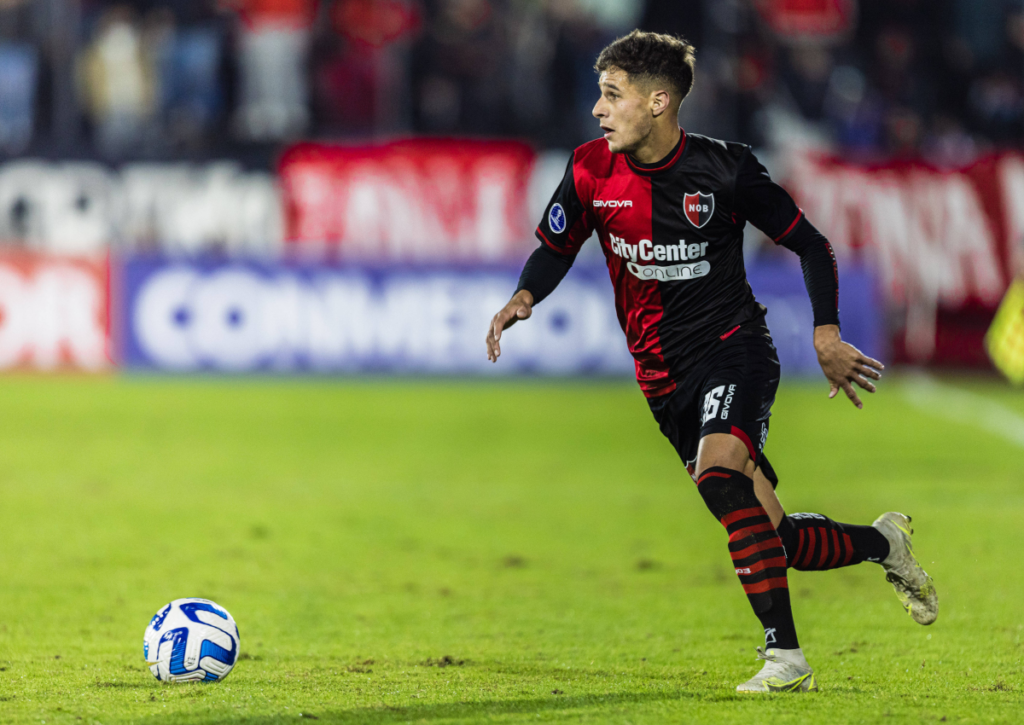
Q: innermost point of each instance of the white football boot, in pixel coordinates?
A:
(913, 586)
(785, 670)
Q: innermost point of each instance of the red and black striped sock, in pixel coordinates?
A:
(815, 543)
(756, 551)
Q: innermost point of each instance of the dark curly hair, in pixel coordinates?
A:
(651, 57)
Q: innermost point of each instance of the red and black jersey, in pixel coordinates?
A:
(672, 234)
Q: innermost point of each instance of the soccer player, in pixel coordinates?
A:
(669, 209)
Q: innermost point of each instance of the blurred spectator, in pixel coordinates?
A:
(273, 43)
(118, 83)
(948, 145)
(896, 74)
(903, 132)
(806, 75)
(460, 84)
(997, 107)
(18, 76)
(532, 53)
(754, 84)
(187, 64)
(359, 79)
(854, 111)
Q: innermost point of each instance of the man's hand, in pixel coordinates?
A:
(518, 308)
(844, 364)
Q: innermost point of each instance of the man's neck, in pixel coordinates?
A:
(658, 145)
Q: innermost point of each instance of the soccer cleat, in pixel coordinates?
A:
(785, 670)
(915, 589)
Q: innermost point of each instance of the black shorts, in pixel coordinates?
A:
(731, 390)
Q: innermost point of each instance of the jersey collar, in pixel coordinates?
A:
(663, 165)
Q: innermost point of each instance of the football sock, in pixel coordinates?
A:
(815, 543)
(756, 550)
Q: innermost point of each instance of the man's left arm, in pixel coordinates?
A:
(771, 209)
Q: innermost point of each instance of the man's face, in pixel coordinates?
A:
(623, 110)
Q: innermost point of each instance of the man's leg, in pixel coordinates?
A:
(813, 542)
(724, 481)
(816, 543)
(764, 489)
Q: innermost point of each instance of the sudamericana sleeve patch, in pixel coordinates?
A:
(565, 225)
(556, 218)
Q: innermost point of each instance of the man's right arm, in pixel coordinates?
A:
(543, 271)
(563, 230)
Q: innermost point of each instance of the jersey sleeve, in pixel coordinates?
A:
(762, 202)
(771, 209)
(566, 224)
(544, 270)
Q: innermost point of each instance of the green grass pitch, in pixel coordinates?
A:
(452, 551)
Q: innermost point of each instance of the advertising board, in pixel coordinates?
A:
(259, 317)
(54, 312)
(237, 317)
(945, 243)
(416, 199)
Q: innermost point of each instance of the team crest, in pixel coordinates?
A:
(698, 208)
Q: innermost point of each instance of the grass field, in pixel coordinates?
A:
(467, 552)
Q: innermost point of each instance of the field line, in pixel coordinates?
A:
(960, 406)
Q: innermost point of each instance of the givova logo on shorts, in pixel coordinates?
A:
(717, 403)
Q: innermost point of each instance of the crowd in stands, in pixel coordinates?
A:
(120, 80)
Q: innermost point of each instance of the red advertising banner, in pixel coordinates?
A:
(945, 243)
(54, 312)
(431, 199)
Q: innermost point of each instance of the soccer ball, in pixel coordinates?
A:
(191, 640)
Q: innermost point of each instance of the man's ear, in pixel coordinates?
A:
(661, 101)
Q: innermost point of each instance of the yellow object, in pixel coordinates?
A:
(1005, 337)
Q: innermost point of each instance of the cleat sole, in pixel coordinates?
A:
(807, 683)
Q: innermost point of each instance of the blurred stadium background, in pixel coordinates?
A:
(328, 189)
(351, 185)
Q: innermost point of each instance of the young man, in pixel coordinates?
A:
(669, 209)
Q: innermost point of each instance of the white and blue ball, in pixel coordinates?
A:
(191, 640)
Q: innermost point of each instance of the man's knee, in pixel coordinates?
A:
(721, 450)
